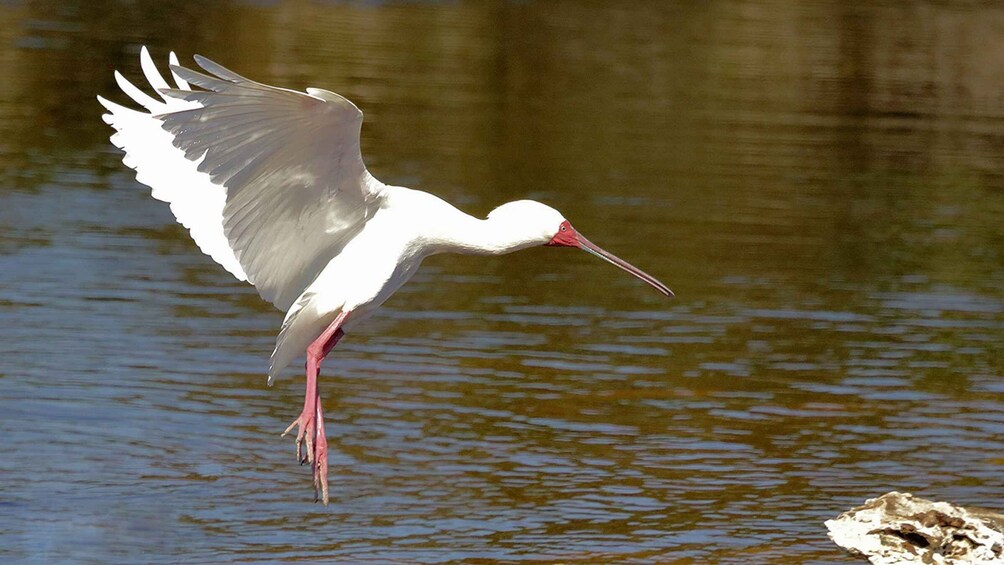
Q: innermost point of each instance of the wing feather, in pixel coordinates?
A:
(195, 201)
(286, 164)
(138, 96)
(172, 59)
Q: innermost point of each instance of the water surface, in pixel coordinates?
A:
(822, 185)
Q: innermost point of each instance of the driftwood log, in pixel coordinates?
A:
(899, 528)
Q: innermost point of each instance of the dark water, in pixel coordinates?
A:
(822, 185)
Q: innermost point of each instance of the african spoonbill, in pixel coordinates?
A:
(271, 184)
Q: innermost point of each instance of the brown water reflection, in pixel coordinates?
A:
(820, 183)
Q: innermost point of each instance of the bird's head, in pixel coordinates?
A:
(546, 226)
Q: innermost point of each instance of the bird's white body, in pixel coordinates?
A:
(410, 226)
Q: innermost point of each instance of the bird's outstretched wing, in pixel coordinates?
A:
(276, 174)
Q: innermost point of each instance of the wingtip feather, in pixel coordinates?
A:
(219, 71)
(138, 96)
(172, 60)
(150, 71)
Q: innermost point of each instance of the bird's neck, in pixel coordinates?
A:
(440, 227)
(459, 232)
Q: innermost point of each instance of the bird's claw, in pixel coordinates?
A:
(321, 477)
(308, 434)
(305, 429)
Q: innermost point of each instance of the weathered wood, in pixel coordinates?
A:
(899, 528)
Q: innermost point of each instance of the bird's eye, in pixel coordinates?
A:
(563, 228)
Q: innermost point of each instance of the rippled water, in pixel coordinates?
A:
(822, 185)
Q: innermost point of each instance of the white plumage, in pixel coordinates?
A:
(271, 184)
(196, 202)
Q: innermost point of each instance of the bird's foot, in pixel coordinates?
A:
(311, 433)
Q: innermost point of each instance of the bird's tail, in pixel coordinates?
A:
(303, 323)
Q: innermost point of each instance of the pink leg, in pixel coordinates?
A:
(311, 419)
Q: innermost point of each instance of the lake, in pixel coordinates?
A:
(821, 184)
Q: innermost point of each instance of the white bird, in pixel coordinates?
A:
(271, 184)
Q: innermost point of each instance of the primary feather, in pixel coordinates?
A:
(196, 202)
